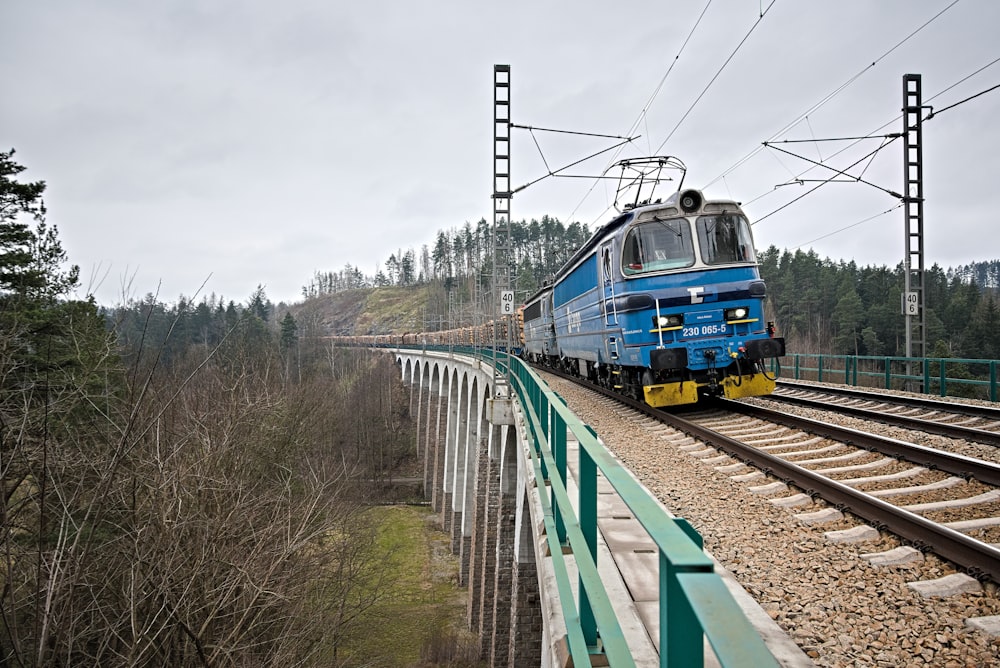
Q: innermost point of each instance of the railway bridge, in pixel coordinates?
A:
(568, 560)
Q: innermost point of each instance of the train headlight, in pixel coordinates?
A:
(690, 201)
(665, 321)
(738, 313)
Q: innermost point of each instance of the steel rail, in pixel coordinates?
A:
(930, 426)
(957, 407)
(949, 462)
(979, 558)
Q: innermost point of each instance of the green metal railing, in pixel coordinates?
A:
(947, 376)
(693, 598)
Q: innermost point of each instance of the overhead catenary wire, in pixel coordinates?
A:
(656, 91)
(556, 173)
(821, 184)
(642, 116)
(822, 162)
(805, 115)
(933, 113)
(645, 108)
(871, 135)
(531, 131)
(830, 96)
(841, 172)
(716, 75)
(963, 80)
(847, 227)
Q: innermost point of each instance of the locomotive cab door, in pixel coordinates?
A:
(608, 289)
(608, 303)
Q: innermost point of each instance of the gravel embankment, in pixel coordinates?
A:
(839, 608)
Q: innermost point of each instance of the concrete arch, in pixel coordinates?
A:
(447, 460)
(458, 458)
(478, 430)
(474, 470)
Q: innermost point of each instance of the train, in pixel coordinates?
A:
(480, 335)
(664, 303)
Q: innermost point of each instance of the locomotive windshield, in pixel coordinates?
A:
(657, 245)
(725, 239)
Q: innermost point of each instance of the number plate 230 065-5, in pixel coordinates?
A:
(713, 329)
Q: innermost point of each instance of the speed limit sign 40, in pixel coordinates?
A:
(506, 302)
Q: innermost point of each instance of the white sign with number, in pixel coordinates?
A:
(911, 304)
(506, 302)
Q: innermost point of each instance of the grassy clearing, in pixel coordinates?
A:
(393, 309)
(422, 621)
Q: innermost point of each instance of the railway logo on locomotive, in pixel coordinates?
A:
(696, 295)
(574, 321)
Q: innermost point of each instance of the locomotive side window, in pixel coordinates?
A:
(657, 245)
(725, 239)
(533, 311)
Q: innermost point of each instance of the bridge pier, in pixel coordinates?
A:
(459, 459)
(478, 543)
(474, 503)
(448, 456)
(503, 580)
(526, 610)
(481, 600)
(432, 449)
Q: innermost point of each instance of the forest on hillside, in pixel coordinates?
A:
(818, 304)
(183, 484)
(830, 307)
(461, 258)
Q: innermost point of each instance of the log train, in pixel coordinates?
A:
(663, 303)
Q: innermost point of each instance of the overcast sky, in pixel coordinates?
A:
(236, 143)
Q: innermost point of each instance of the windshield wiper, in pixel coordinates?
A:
(665, 224)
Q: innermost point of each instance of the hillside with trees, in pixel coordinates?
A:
(457, 270)
(182, 484)
(830, 307)
(819, 305)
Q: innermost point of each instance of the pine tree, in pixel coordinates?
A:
(289, 332)
(31, 259)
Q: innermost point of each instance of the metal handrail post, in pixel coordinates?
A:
(993, 380)
(557, 437)
(587, 503)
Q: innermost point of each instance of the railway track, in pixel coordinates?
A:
(863, 474)
(970, 422)
(870, 476)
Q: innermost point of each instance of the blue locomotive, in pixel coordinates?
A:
(664, 303)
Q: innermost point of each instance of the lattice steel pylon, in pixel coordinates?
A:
(913, 207)
(503, 321)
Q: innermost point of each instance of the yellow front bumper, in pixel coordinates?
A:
(671, 394)
(749, 386)
(678, 394)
